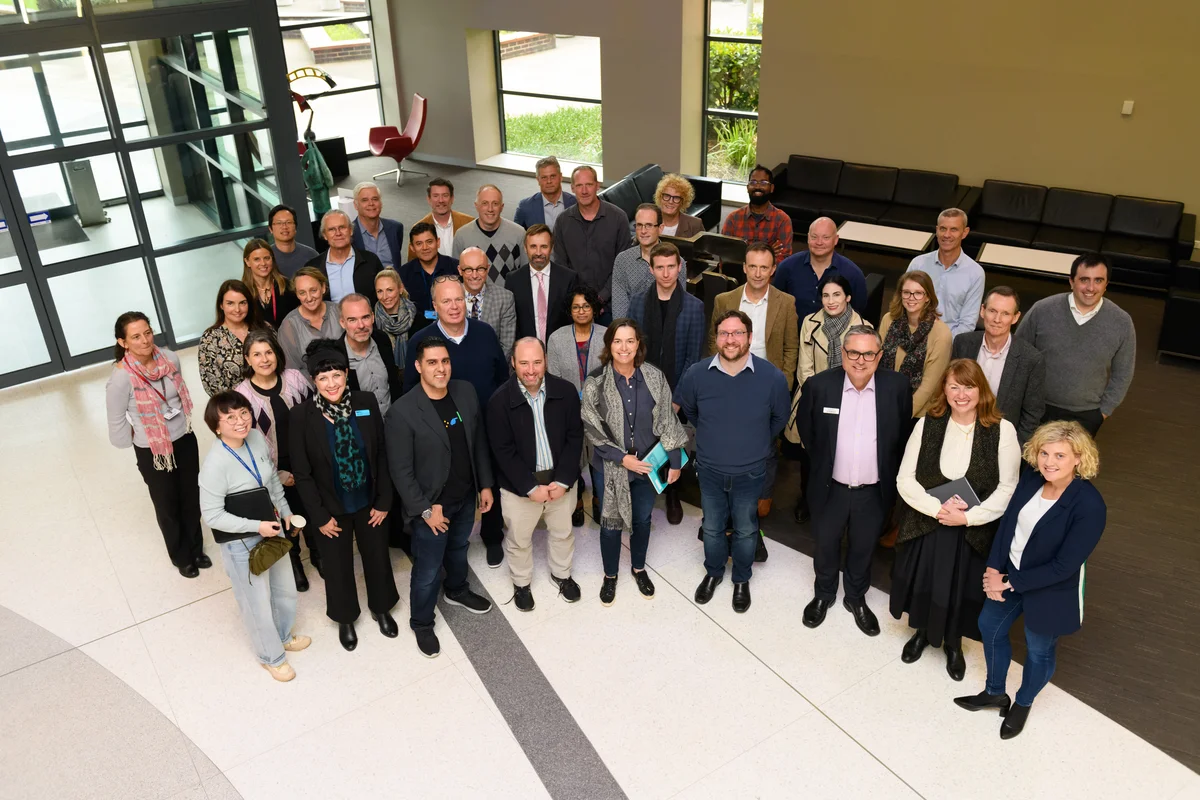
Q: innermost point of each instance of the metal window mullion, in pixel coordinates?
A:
(500, 91)
(540, 95)
(186, 137)
(297, 26)
(208, 239)
(240, 98)
(91, 261)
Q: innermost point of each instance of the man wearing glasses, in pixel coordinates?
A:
(487, 302)
(349, 270)
(631, 275)
(290, 255)
(800, 275)
(760, 221)
(854, 421)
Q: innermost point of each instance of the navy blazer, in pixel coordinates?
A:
(1051, 576)
(510, 431)
(530, 211)
(420, 287)
(689, 328)
(393, 232)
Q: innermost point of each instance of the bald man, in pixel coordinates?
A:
(798, 275)
(501, 240)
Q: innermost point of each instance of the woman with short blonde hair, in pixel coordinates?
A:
(674, 195)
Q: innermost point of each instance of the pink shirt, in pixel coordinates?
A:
(856, 460)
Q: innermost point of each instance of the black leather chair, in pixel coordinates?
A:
(1008, 213)
(1179, 335)
(638, 187)
(624, 195)
(1145, 238)
(1186, 276)
(864, 193)
(874, 298)
(1073, 221)
(920, 196)
(804, 186)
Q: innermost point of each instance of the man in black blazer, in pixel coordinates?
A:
(536, 432)
(372, 360)
(438, 425)
(524, 283)
(1014, 368)
(348, 269)
(854, 422)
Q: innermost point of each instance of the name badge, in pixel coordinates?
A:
(172, 412)
(430, 315)
(362, 412)
(830, 410)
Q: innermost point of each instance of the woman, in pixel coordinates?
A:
(275, 300)
(1036, 566)
(394, 312)
(673, 195)
(314, 319)
(942, 546)
(572, 353)
(273, 392)
(220, 350)
(919, 350)
(149, 409)
(340, 467)
(627, 496)
(239, 462)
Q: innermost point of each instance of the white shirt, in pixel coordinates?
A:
(992, 364)
(757, 312)
(455, 339)
(669, 230)
(955, 458)
(445, 236)
(1080, 317)
(1029, 516)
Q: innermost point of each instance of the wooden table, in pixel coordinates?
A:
(1025, 259)
(882, 237)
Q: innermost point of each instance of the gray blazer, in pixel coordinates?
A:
(1020, 397)
(500, 311)
(416, 435)
(561, 361)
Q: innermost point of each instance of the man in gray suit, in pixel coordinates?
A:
(1014, 368)
(438, 425)
(486, 301)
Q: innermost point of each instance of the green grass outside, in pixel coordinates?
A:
(344, 33)
(571, 133)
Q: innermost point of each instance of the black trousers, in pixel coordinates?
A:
(310, 531)
(337, 562)
(491, 523)
(176, 499)
(858, 513)
(1090, 420)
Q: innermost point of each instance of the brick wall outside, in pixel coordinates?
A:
(534, 43)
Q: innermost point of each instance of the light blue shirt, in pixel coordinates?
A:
(959, 288)
(341, 276)
(552, 210)
(376, 244)
(455, 339)
(545, 456)
(716, 362)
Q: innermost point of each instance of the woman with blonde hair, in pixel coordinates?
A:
(674, 195)
(394, 312)
(270, 288)
(920, 349)
(1037, 566)
(313, 319)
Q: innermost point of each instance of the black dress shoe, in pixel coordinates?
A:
(674, 507)
(347, 636)
(203, 561)
(495, 555)
(1014, 721)
(983, 700)
(814, 612)
(644, 584)
(864, 618)
(577, 518)
(741, 597)
(189, 571)
(914, 647)
(704, 591)
(760, 549)
(608, 591)
(523, 597)
(801, 513)
(427, 642)
(956, 665)
(387, 625)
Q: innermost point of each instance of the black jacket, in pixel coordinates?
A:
(366, 267)
(395, 379)
(511, 434)
(817, 419)
(312, 463)
(562, 284)
(1020, 396)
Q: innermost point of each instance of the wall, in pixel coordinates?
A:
(1022, 90)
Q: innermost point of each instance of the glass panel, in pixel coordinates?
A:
(733, 75)
(36, 10)
(294, 12)
(535, 126)
(74, 91)
(125, 84)
(24, 344)
(732, 146)
(123, 6)
(87, 302)
(36, 114)
(548, 63)
(245, 63)
(190, 281)
(349, 116)
(343, 50)
(735, 18)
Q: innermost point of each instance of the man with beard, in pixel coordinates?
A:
(801, 274)
(760, 221)
(501, 240)
(631, 275)
(540, 290)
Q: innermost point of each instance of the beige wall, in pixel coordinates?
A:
(1024, 90)
(643, 46)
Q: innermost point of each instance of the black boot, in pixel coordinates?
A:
(674, 507)
(1014, 721)
(298, 567)
(915, 646)
(983, 700)
(956, 665)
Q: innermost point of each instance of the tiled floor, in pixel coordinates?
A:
(120, 679)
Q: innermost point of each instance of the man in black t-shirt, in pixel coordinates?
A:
(438, 424)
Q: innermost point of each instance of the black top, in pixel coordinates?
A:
(282, 414)
(639, 420)
(460, 484)
(279, 306)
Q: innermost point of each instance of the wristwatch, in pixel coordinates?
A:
(426, 514)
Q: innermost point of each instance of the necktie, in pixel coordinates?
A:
(475, 307)
(541, 307)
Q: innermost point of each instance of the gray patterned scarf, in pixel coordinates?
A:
(834, 327)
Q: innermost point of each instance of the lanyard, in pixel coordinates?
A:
(150, 384)
(257, 475)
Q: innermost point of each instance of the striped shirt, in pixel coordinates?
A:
(545, 456)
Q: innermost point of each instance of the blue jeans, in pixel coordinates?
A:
(994, 622)
(643, 496)
(267, 602)
(433, 551)
(730, 497)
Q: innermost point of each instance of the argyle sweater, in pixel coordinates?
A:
(504, 247)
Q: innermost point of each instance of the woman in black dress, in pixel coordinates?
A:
(272, 292)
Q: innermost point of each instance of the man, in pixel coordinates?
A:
(543, 207)
(500, 239)
(372, 361)
(734, 438)
(1088, 343)
(442, 216)
(541, 288)
(800, 274)
(957, 279)
(290, 255)
(487, 302)
(372, 232)
(854, 421)
(348, 269)
(773, 314)
(477, 358)
(588, 236)
(438, 427)
(536, 432)
(1014, 369)
(631, 275)
(419, 274)
(760, 221)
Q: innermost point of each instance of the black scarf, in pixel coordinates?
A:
(351, 467)
(913, 343)
(660, 332)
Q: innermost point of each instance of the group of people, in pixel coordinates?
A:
(385, 405)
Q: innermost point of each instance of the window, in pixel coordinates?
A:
(733, 49)
(549, 95)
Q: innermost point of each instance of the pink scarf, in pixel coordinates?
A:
(295, 391)
(149, 404)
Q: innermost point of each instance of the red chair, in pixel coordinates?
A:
(390, 142)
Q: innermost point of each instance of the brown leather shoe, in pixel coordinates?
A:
(888, 539)
(764, 508)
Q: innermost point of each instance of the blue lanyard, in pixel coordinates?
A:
(257, 475)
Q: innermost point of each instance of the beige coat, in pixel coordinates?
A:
(937, 358)
(813, 358)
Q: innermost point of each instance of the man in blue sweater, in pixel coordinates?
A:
(739, 404)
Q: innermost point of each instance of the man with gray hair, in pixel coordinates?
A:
(374, 233)
(348, 268)
(369, 351)
(544, 206)
(501, 240)
(957, 279)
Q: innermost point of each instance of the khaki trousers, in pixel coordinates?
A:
(521, 515)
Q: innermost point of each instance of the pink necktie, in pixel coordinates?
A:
(541, 307)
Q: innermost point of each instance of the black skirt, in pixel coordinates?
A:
(938, 579)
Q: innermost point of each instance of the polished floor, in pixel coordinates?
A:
(121, 679)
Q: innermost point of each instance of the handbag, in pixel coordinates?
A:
(267, 552)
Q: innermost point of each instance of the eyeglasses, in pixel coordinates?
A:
(671, 198)
(731, 334)
(584, 307)
(645, 226)
(444, 278)
(907, 295)
(859, 355)
(472, 270)
(758, 183)
(282, 224)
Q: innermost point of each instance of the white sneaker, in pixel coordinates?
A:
(297, 643)
(283, 673)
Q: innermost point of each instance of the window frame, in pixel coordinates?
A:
(707, 113)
